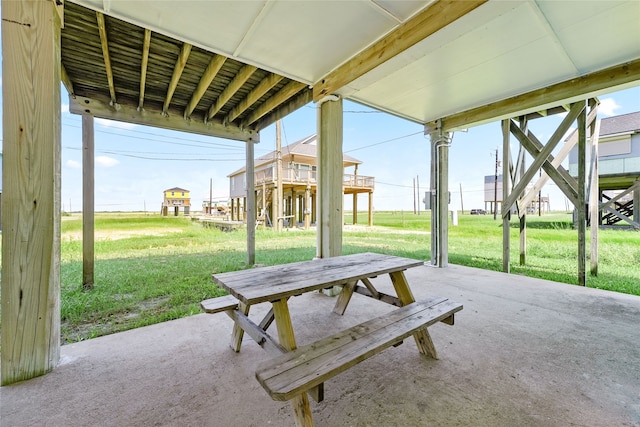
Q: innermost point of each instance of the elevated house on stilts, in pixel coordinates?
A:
(299, 181)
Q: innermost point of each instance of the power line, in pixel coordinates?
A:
(384, 142)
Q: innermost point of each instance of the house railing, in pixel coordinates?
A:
(305, 176)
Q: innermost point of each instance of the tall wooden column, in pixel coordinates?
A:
(440, 142)
(371, 209)
(636, 204)
(31, 187)
(581, 223)
(594, 196)
(330, 172)
(250, 204)
(88, 204)
(506, 188)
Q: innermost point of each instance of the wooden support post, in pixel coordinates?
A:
(636, 204)
(330, 173)
(371, 209)
(581, 222)
(355, 208)
(307, 207)
(250, 205)
(88, 205)
(506, 186)
(594, 196)
(294, 208)
(31, 189)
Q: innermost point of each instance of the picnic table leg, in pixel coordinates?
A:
(238, 332)
(344, 297)
(300, 403)
(422, 337)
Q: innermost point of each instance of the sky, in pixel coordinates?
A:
(134, 164)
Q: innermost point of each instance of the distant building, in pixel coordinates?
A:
(618, 168)
(493, 195)
(299, 170)
(176, 198)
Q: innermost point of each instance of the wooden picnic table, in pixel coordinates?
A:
(278, 284)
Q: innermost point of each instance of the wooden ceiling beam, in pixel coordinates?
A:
(238, 81)
(252, 97)
(205, 81)
(298, 101)
(276, 100)
(66, 81)
(175, 77)
(143, 67)
(433, 18)
(129, 113)
(583, 87)
(105, 54)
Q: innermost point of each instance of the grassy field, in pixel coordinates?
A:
(151, 269)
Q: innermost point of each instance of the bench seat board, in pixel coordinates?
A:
(219, 304)
(290, 374)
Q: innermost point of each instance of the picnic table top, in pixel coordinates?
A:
(263, 284)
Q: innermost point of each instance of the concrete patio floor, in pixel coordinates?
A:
(523, 352)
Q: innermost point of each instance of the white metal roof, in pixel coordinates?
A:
(498, 50)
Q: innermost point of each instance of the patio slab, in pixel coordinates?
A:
(523, 352)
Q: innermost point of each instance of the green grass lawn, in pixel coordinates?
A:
(150, 269)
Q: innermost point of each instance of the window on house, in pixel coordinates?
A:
(172, 193)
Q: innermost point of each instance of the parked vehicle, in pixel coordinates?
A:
(478, 212)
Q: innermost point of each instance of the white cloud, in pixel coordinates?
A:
(105, 161)
(64, 108)
(73, 164)
(114, 124)
(608, 107)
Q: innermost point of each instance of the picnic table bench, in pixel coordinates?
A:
(293, 372)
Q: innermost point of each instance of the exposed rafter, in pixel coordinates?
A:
(235, 84)
(582, 86)
(252, 97)
(298, 101)
(143, 67)
(105, 54)
(205, 81)
(434, 17)
(175, 77)
(66, 81)
(282, 96)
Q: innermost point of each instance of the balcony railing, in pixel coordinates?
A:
(302, 176)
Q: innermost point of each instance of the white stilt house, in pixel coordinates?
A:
(229, 69)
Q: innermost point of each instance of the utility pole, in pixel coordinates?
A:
(540, 197)
(414, 196)
(461, 201)
(418, 191)
(495, 189)
(210, 196)
(277, 212)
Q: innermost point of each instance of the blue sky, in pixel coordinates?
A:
(134, 164)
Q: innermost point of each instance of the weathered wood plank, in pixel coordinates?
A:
(235, 84)
(300, 403)
(175, 77)
(290, 374)
(344, 298)
(283, 95)
(269, 283)
(205, 81)
(143, 67)
(252, 97)
(105, 53)
(380, 296)
(421, 336)
(30, 338)
(220, 304)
